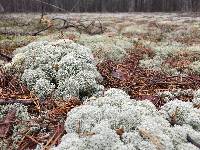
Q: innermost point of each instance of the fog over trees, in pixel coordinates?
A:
(100, 5)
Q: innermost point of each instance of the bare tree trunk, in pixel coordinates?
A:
(131, 6)
(1, 8)
(186, 5)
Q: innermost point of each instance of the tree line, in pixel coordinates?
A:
(99, 5)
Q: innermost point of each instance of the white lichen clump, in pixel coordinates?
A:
(134, 29)
(21, 114)
(183, 112)
(167, 96)
(195, 67)
(60, 69)
(162, 50)
(196, 99)
(105, 47)
(117, 122)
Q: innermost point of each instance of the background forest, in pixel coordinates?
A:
(100, 5)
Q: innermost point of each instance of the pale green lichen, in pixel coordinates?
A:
(22, 115)
(134, 29)
(60, 69)
(196, 99)
(94, 125)
(184, 112)
(167, 96)
(105, 47)
(195, 66)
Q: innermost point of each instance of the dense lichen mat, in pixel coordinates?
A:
(142, 83)
(135, 86)
(115, 121)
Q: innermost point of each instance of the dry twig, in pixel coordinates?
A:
(153, 139)
(6, 124)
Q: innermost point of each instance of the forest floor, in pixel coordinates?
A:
(145, 54)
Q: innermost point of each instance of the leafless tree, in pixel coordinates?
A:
(1, 8)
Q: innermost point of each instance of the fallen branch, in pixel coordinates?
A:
(56, 136)
(13, 101)
(153, 139)
(27, 142)
(81, 26)
(38, 32)
(14, 33)
(5, 125)
(94, 27)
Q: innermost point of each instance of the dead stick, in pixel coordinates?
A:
(53, 142)
(36, 33)
(12, 101)
(49, 141)
(32, 139)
